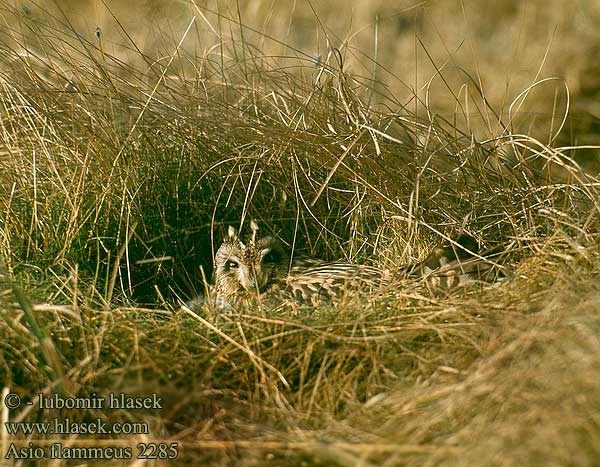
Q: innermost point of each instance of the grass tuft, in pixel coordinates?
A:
(125, 157)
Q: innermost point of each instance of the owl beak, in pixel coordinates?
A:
(255, 282)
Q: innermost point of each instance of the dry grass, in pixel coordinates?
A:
(123, 160)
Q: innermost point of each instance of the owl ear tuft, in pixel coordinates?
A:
(254, 227)
(232, 232)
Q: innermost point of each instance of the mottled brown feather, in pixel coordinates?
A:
(262, 270)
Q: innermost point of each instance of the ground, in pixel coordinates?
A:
(133, 134)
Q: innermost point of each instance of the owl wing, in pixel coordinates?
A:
(460, 263)
(312, 281)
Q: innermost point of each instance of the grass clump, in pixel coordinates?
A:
(122, 169)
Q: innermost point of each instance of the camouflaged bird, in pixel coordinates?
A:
(262, 270)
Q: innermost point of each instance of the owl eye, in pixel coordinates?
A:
(232, 265)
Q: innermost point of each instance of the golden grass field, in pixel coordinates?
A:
(134, 133)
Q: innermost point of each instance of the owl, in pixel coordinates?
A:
(247, 271)
(262, 269)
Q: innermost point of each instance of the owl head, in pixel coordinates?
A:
(245, 269)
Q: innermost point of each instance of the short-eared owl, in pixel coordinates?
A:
(261, 268)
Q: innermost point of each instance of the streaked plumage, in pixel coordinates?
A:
(261, 270)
